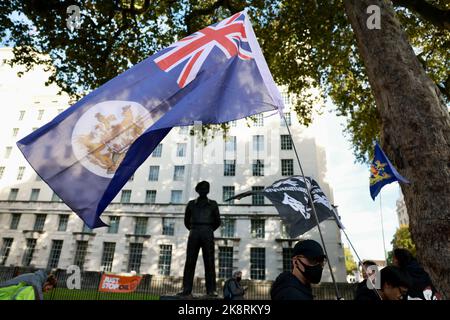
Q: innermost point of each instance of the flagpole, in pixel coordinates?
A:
(354, 250)
(382, 231)
(338, 296)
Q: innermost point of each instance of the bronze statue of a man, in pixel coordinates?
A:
(201, 218)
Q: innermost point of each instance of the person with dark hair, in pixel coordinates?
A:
(308, 260)
(201, 218)
(394, 285)
(28, 286)
(362, 288)
(421, 286)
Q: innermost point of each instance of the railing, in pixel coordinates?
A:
(154, 287)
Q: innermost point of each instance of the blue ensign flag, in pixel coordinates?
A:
(382, 172)
(87, 153)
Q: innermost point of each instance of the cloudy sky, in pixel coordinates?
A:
(350, 182)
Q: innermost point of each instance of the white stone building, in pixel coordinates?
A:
(402, 213)
(147, 232)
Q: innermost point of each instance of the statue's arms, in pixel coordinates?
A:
(187, 216)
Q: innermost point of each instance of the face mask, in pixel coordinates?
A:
(313, 274)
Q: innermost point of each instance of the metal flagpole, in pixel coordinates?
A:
(338, 296)
(354, 250)
(382, 231)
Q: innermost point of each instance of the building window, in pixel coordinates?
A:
(229, 168)
(257, 228)
(258, 198)
(80, 254)
(181, 149)
(175, 196)
(15, 132)
(40, 114)
(258, 167)
(6, 249)
(8, 152)
(55, 253)
(153, 173)
(20, 173)
(2, 170)
(15, 221)
(225, 262)
(21, 114)
(178, 173)
(34, 194)
(233, 123)
(39, 222)
(287, 259)
(230, 144)
(286, 98)
(13, 194)
(113, 224)
(29, 251)
(165, 259)
(258, 143)
(150, 196)
(126, 196)
(168, 226)
(157, 151)
(140, 227)
(55, 197)
(258, 263)
(135, 257)
(228, 192)
(63, 222)
(108, 256)
(259, 120)
(183, 130)
(287, 116)
(227, 228)
(287, 167)
(286, 142)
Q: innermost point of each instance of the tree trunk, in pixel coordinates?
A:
(415, 132)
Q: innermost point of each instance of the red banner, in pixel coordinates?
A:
(115, 283)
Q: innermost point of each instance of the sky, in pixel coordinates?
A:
(350, 183)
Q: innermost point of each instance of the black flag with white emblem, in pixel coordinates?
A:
(291, 200)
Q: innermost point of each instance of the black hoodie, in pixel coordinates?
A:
(420, 280)
(289, 287)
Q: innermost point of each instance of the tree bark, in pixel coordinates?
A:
(415, 132)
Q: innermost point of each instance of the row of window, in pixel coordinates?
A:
(230, 146)
(229, 169)
(225, 263)
(176, 196)
(228, 227)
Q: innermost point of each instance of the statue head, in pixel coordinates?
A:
(202, 188)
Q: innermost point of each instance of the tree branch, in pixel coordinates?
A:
(438, 17)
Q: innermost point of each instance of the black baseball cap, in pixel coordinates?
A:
(308, 248)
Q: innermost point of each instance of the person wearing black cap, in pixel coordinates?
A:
(201, 218)
(308, 260)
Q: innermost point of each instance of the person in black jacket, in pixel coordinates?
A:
(201, 218)
(362, 289)
(232, 289)
(394, 285)
(308, 260)
(421, 285)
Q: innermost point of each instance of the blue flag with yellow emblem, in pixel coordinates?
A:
(382, 172)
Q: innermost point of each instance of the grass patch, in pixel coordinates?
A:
(67, 294)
